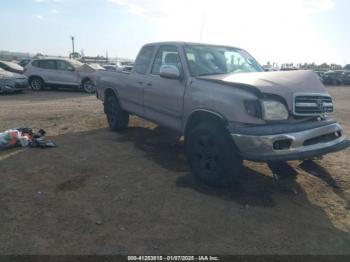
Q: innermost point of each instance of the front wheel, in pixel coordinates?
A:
(36, 83)
(118, 119)
(212, 154)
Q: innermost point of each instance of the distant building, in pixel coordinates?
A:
(94, 59)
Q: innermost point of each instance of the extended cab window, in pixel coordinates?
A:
(167, 55)
(47, 64)
(144, 60)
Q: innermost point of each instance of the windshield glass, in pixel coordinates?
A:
(214, 60)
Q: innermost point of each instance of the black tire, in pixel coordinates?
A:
(36, 83)
(212, 154)
(118, 119)
(88, 86)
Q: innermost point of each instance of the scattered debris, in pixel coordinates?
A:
(99, 222)
(24, 137)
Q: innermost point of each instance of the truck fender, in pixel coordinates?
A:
(200, 115)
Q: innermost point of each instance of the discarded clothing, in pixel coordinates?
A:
(24, 137)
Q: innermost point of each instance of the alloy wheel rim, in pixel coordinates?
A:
(89, 87)
(36, 84)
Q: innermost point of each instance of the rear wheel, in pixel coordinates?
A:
(88, 86)
(212, 154)
(36, 83)
(118, 119)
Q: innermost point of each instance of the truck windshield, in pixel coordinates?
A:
(215, 60)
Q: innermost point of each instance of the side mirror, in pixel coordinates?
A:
(71, 69)
(169, 71)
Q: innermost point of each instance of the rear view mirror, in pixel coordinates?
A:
(169, 71)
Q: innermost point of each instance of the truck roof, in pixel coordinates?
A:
(187, 43)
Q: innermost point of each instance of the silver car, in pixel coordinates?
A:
(12, 82)
(60, 72)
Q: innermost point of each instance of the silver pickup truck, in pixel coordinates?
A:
(224, 104)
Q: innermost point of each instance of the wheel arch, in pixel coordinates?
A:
(110, 92)
(35, 76)
(86, 78)
(203, 115)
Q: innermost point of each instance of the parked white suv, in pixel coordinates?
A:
(60, 72)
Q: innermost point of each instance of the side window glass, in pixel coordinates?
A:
(35, 63)
(167, 55)
(64, 66)
(144, 60)
(47, 64)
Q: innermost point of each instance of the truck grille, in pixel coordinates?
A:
(311, 105)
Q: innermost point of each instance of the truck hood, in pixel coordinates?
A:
(282, 83)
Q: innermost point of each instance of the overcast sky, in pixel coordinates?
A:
(271, 30)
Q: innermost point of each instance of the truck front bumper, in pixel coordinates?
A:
(296, 142)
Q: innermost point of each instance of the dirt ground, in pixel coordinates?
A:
(101, 192)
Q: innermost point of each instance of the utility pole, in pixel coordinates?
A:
(72, 38)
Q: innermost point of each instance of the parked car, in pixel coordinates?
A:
(120, 67)
(96, 66)
(24, 62)
(346, 78)
(12, 82)
(112, 68)
(11, 67)
(60, 72)
(128, 68)
(333, 78)
(320, 74)
(226, 107)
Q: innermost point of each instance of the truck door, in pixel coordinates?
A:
(132, 92)
(163, 98)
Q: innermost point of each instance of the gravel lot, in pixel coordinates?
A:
(100, 192)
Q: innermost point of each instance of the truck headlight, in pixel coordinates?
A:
(274, 110)
(253, 107)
